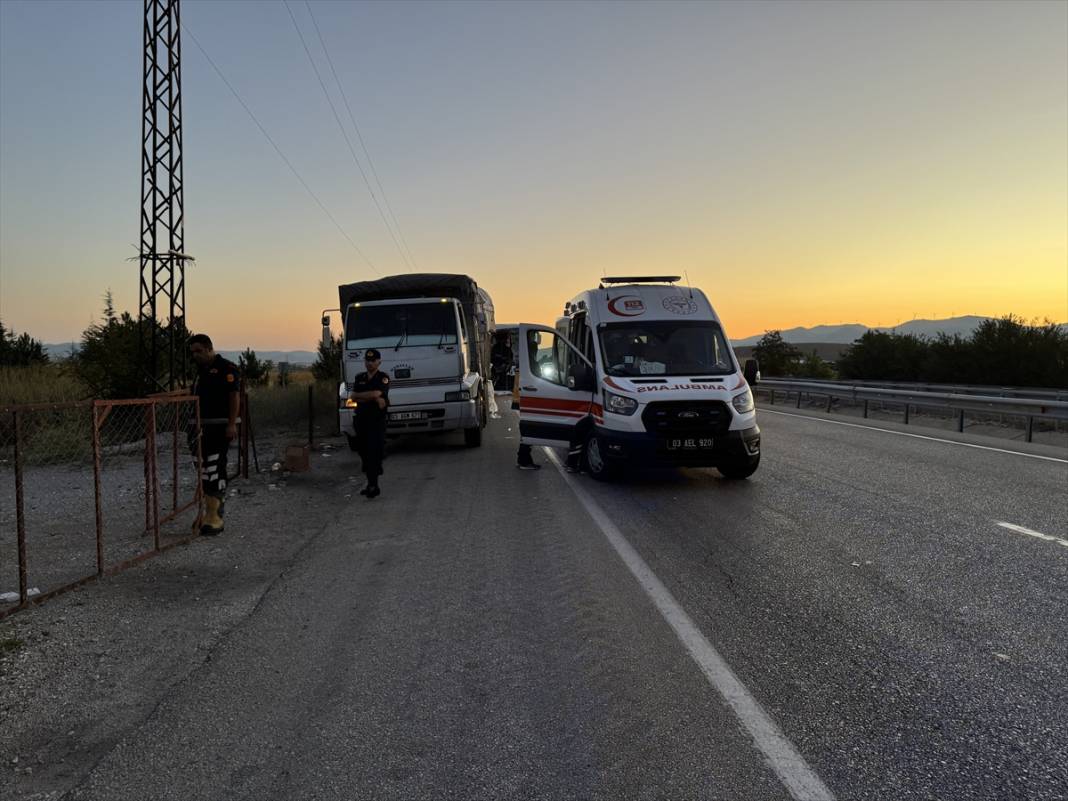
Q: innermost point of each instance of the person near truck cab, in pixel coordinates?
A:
(218, 391)
(501, 360)
(371, 393)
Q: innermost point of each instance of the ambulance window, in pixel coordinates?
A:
(578, 333)
(545, 352)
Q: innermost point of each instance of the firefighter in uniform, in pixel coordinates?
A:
(371, 393)
(218, 390)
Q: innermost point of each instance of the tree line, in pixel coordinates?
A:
(1007, 351)
(107, 362)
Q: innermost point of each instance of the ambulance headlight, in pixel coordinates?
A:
(462, 395)
(350, 403)
(743, 402)
(620, 404)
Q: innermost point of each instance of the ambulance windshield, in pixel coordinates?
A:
(400, 325)
(665, 348)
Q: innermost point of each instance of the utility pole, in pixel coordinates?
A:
(161, 321)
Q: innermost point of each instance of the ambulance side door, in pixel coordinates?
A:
(556, 386)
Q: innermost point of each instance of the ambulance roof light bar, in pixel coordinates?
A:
(641, 279)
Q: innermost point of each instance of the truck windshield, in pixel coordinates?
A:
(400, 326)
(665, 348)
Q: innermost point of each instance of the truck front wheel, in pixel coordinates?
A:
(473, 437)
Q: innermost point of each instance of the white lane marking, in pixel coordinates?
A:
(1030, 533)
(779, 753)
(917, 436)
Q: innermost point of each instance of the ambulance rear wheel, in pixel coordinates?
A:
(594, 461)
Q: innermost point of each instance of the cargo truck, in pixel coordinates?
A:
(433, 331)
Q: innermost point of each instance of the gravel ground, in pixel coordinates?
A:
(94, 662)
(60, 508)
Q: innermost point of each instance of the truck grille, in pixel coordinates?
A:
(683, 417)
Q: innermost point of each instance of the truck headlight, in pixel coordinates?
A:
(620, 404)
(743, 402)
(462, 395)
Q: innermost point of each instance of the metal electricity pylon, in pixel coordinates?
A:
(161, 322)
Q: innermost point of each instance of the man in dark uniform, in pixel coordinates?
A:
(218, 389)
(371, 393)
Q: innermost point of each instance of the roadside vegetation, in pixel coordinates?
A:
(1008, 351)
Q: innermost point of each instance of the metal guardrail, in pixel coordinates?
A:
(1028, 408)
(986, 390)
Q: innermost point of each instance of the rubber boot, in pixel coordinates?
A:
(212, 523)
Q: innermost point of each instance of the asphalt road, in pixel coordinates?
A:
(474, 633)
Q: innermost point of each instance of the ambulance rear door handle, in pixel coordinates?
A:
(530, 389)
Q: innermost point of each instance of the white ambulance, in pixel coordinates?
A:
(639, 372)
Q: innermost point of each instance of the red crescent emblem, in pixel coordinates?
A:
(632, 306)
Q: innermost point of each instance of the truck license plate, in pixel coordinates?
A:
(689, 444)
(407, 415)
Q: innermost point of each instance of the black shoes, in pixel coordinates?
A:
(372, 492)
(530, 466)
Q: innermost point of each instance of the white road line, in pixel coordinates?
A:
(762, 410)
(1030, 533)
(779, 753)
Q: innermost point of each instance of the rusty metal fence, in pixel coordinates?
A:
(90, 488)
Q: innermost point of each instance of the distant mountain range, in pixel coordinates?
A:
(846, 334)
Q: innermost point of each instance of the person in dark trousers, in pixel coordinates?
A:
(371, 393)
(218, 390)
(501, 360)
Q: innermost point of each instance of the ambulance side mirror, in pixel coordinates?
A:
(327, 339)
(751, 371)
(581, 378)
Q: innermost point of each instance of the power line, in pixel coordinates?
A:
(278, 150)
(359, 135)
(345, 134)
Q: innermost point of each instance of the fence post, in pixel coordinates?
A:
(906, 414)
(153, 468)
(772, 401)
(20, 514)
(1030, 427)
(830, 400)
(960, 421)
(798, 399)
(311, 416)
(865, 408)
(243, 442)
(174, 457)
(98, 467)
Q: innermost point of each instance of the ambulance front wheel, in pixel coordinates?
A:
(739, 468)
(594, 460)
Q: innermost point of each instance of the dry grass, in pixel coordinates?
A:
(277, 408)
(50, 384)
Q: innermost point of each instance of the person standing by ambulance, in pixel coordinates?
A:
(371, 393)
(218, 391)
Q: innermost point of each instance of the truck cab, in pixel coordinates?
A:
(640, 372)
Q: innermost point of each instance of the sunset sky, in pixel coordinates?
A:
(804, 163)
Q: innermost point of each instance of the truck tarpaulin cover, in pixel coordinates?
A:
(416, 285)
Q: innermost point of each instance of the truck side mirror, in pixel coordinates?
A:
(751, 371)
(327, 339)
